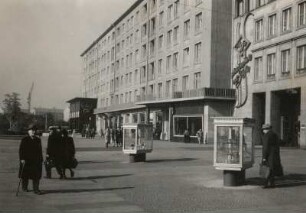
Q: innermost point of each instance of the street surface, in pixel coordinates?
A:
(176, 178)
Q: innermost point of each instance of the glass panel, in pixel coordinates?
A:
(180, 124)
(228, 144)
(129, 138)
(145, 138)
(247, 141)
(194, 124)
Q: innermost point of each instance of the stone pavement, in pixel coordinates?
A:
(177, 177)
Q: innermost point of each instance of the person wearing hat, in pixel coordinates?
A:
(271, 155)
(31, 158)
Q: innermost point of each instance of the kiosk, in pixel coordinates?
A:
(137, 141)
(233, 148)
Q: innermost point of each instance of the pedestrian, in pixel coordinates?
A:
(31, 158)
(186, 136)
(107, 136)
(54, 152)
(118, 137)
(271, 155)
(200, 136)
(69, 153)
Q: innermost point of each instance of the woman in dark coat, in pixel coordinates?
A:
(69, 152)
(31, 158)
(271, 155)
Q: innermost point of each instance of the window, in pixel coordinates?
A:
(258, 69)
(197, 53)
(144, 30)
(272, 25)
(259, 30)
(198, 2)
(137, 58)
(186, 29)
(174, 85)
(185, 83)
(151, 71)
(186, 5)
(152, 26)
(259, 3)
(160, 41)
(175, 61)
(175, 34)
(144, 50)
(152, 47)
(167, 92)
(240, 7)
(169, 37)
(169, 13)
(301, 59)
(192, 123)
(286, 20)
(285, 62)
(198, 23)
(176, 8)
(168, 64)
(302, 14)
(197, 80)
(160, 66)
(143, 74)
(161, 18)
(136, 77)
(159, 90)
(186, 57)
(271, 65)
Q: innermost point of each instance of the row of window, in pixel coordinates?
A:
(285, 64)
(286, 23)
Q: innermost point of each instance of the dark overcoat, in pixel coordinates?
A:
(30, 150)
(69, 150)
(271, 153)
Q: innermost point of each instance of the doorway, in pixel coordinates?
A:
(259, 104)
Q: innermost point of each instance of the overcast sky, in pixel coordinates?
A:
(41, 42)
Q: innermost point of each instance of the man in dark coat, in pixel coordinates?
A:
(54, 152)
(69, 152)
(31, 158)
(271, 155)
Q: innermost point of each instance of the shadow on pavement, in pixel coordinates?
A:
(84, 190)
(90, 162)
(94, 149)
(289, 180)
(98, 177)
(170, 160)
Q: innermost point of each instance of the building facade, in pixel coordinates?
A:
(81, 115)
(269, 48)
(165, 62)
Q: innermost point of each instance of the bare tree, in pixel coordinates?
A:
(11, 108)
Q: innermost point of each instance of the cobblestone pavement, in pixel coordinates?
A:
(176, 177)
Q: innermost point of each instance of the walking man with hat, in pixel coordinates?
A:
(271, 155)
(31, 158)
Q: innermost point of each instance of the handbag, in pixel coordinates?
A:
(264, 170)
(49, 163)
(74, 163)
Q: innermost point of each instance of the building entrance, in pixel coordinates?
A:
(285, 113)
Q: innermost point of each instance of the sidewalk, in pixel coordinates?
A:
(177, 177)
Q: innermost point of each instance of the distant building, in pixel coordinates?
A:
(81, 113)
(164, 62)
(57, 114)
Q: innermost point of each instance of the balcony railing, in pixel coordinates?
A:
(195, 93)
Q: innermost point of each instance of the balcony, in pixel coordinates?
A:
(195, 94)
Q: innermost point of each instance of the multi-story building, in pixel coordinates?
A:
(269, 39)
(163, 61)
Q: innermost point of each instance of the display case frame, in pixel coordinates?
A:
(137, 148)
(236, 161)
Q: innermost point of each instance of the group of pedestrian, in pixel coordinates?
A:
(88, 133)
(113, 136)
(60, 150)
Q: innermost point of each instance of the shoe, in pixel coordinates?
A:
(25, 190)
(38, 192)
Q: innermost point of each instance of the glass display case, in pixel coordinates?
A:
(233, 143)
(137, 138)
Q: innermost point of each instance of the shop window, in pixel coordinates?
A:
(192, 123)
